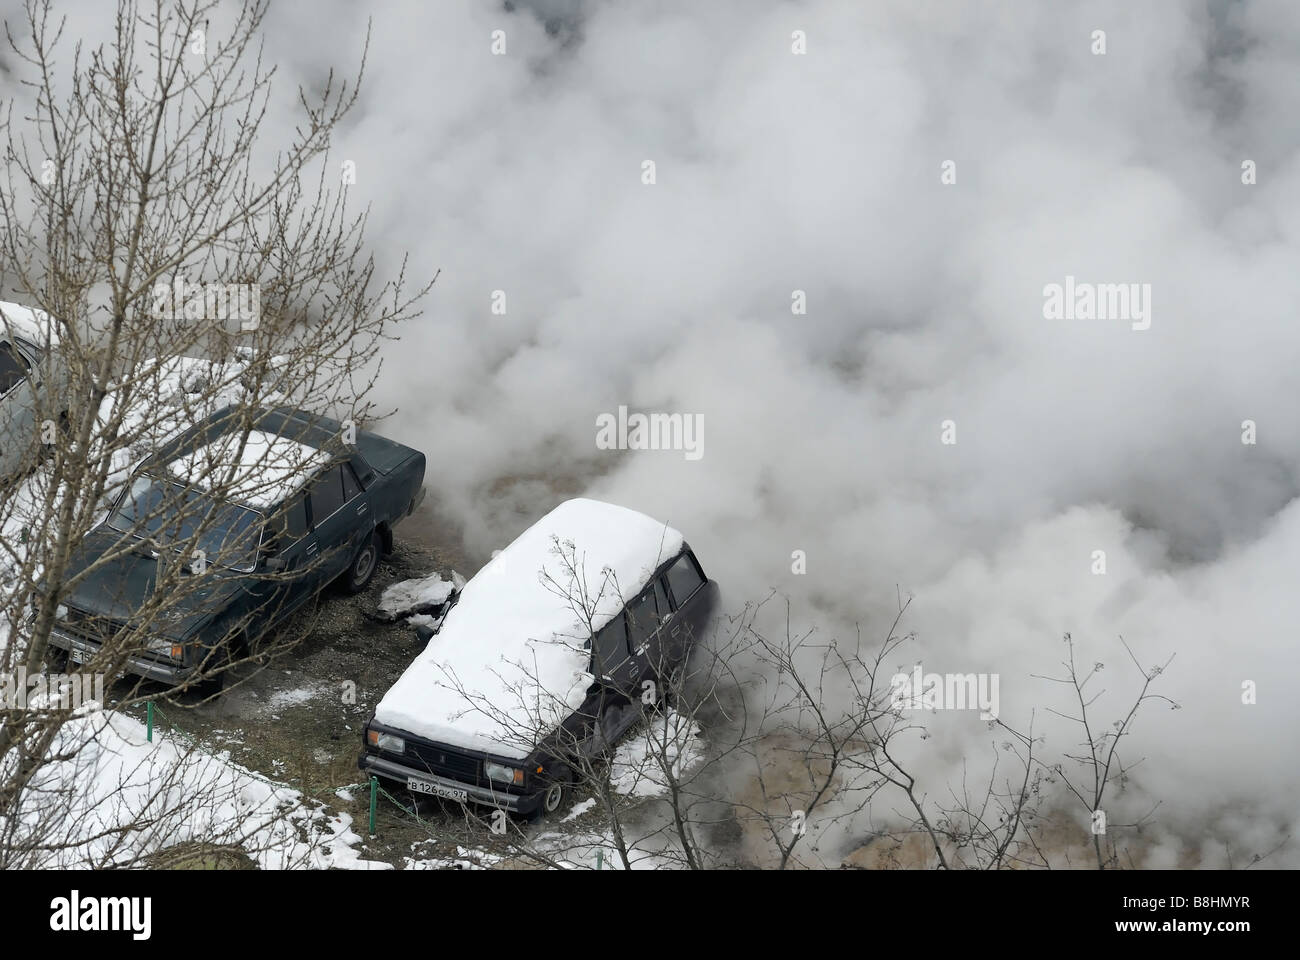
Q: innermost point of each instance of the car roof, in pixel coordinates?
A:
(30, 323)
(291, 444)
(515, 646)
(260, 471)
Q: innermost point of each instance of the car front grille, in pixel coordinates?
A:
(442, 761)
(94, 631)
(89, 627)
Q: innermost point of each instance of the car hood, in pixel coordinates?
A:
(118, 588)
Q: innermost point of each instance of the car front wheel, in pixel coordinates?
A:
(555, 797)
(363, 566)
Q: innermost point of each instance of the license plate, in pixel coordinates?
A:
(82, 657)
(416, 785)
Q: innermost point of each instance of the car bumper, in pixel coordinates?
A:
(391, 770)
(149, 669)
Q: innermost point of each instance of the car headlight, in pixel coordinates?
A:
(502, 773)
(387, 742)
(165, 646)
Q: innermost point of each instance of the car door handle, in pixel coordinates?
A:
(311, 548)
(362, 509)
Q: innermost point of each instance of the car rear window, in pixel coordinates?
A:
(685, 578)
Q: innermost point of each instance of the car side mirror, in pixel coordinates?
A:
(276, 564)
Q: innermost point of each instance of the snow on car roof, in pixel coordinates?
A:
(510, 663)
(270, 467)
(32, 324)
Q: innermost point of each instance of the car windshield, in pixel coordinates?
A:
(169, 513)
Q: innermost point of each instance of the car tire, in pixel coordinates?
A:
(555, 797)
(363, 567)
(211, 687)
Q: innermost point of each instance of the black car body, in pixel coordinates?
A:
(328, 516)
(458, 725)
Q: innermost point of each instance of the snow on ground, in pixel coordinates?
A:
(636, 769)
(467, 858)
(635, 772)
(579, 809)
(279, 699)
(119, 798)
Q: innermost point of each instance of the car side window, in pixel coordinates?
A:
(326, 495)
(684, 577)
(611, 646)
(295, 519)
(350, 485)
(13, 367)
(287, 525)
(643, 618)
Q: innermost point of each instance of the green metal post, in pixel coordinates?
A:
(148, 730)
(600, 857)
(374, 801)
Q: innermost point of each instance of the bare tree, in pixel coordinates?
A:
(1101, 762)
(183, 255)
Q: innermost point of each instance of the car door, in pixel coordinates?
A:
(282, 590)
(648, 616)
(689, 593)
(340, 517)
(611, 707)
(609, 656)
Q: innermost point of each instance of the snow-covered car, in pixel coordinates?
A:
(33, 384)
(544, 660)
(279, 510)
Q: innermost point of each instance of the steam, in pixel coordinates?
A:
(821, 173)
